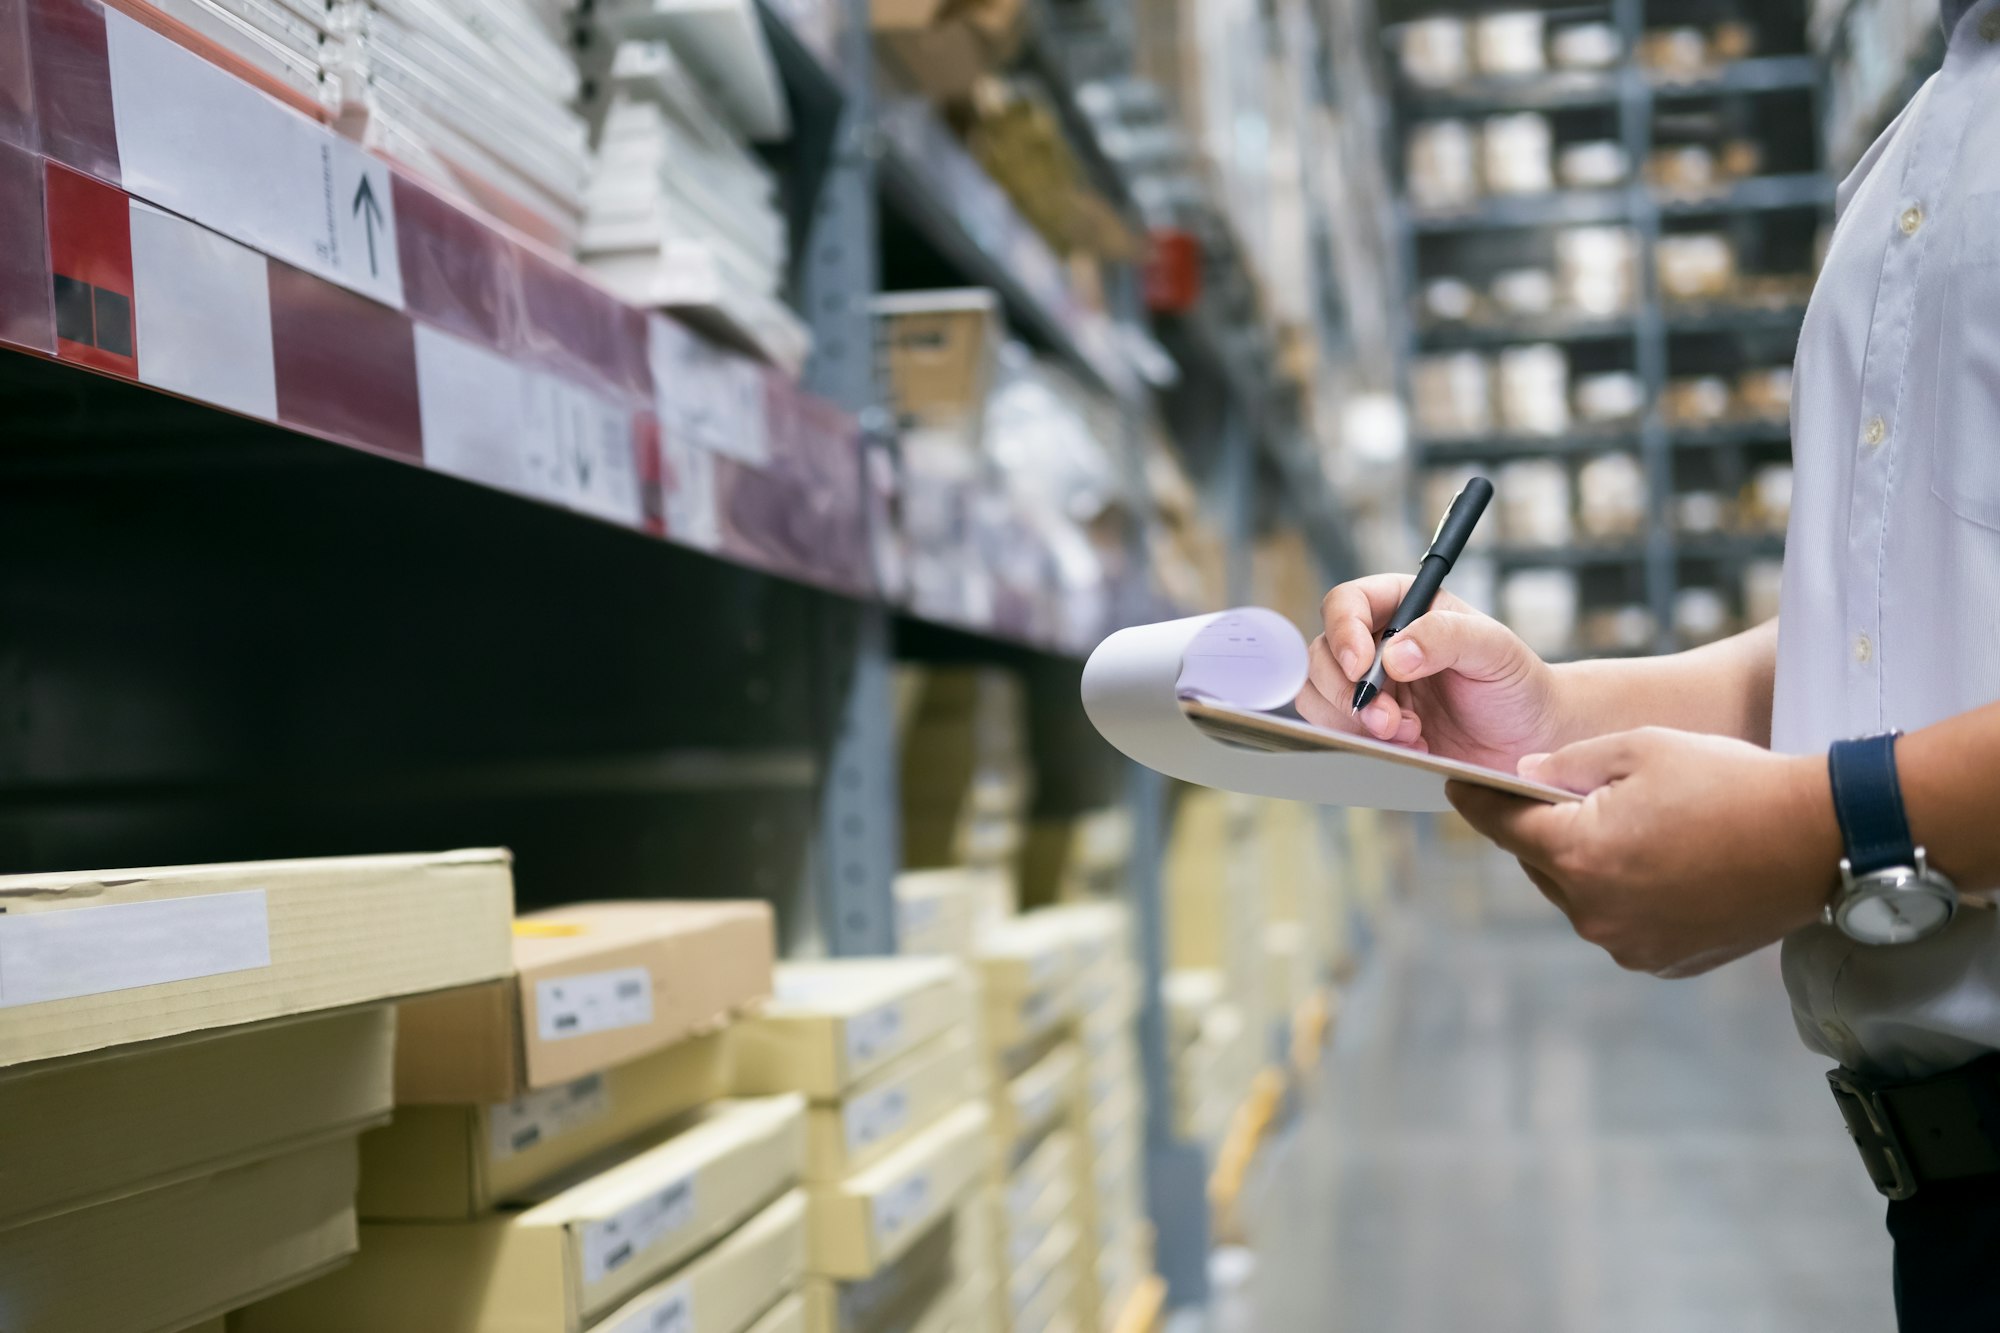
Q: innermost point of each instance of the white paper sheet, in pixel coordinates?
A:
(1252, 658)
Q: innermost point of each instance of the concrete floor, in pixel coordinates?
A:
(1513, 1136)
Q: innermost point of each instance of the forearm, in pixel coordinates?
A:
(1950, 774)
(1721, 689)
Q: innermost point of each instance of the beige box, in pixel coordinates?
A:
(113, 1123)
(588, 986)
(159, 1261)
(444, 1163)
(937, 911)
(927, 1270)
(829, 1025)
(1032, 1217)
(104, 958)
(787, 1316)
(1043, 1285)
(1037, 1097)
(889, 1108)
(728, 1287)
(870, 1219)
(566, 1262)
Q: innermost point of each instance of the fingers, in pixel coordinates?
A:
(1463, 641)
(1354, 613)
(1383, 718)
(1528, 829)
(1587, 765)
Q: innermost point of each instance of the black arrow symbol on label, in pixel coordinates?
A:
(371, 217)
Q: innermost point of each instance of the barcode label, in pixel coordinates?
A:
(611, 1243)
(593, 1002)
(877, 1116)
(672, 1311)
(65, 954)
(901, 1205)
(872, 1035)
(527, 1122)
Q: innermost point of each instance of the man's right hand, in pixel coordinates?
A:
(1463, 685)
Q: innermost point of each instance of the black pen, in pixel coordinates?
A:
(1453, 531)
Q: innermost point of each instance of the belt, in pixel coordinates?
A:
(1926, 1132)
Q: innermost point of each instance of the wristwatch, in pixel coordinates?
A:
(1888, 892)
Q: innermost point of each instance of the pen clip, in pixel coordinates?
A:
(1442, 520)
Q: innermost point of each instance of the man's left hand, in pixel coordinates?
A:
(1688, 851)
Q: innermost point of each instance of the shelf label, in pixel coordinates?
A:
(876, 1116)
(872, 1035)
(199, 141)
(77, 951)
(593, 1002)
(901, 1206)
(491, 420)
(530, 1121)
(612, 1242)
(672, 1311)
(707, 398)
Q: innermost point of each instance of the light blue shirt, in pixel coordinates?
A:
(1891, 605)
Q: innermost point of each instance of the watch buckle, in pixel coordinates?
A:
(1868, 1122)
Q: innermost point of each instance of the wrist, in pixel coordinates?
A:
(1806, 822)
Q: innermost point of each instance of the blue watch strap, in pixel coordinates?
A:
(1868, 802)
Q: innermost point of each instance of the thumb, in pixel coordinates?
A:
(1586, 765)
(1463, 641)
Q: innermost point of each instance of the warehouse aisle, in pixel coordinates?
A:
(1513, 1135)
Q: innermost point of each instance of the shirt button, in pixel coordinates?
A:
(1864, 649)
(1875, 432)
(1912, 220)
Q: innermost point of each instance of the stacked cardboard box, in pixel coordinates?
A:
(193, 1051)
(558, 1156)
(938, 911)
(897, 1134)
(966, 779)
(941, 47)
(1077, 859)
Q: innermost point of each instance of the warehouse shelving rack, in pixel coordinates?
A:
(1632, 95)
(261, 594)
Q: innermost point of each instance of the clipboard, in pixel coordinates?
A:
(1269, 733)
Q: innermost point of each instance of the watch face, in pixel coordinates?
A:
(1895, 915)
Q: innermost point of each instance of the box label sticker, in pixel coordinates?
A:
(527, 1122)
(611, 1243)
(706, 397)
(901, 1206)
(672, 1311)
(203, 313)
(593, 1002)
(199, 141)
(79, 951)
(872, 1035)
(877, 1116)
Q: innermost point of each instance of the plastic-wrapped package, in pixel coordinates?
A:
(1449, 299)
(1610, 396)
(1700, 512)
(1585, 46)
(1452, 395)
(1611, 496)
(1765, 394)
(1619, 629)
(1517, 153)
(1701, 615)
(1540, 605)
(1695, 266)
(1597, 165)
(1762, 583)
(1696, 400)
(1534, 389)
(1442, 168)
(1534, 497)
(1596, 270)
(1510, 43)
(1769, 502)
(1437, 51)
(1525, 291)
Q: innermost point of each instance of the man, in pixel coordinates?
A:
(1724, 791)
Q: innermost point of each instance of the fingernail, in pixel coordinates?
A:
(1404, 657)
(1530, 762)
(1350, 662)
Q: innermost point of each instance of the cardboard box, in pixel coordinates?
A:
(1036, 1098)
(1053, 1161)
(937, 911)
(870, 1219)
(940, 349)
(104, 958)
(113, 1123)
(1043, 1285)
(566, 1262)
(829, 1025)
(592, 985)
(925, 1273)
(727, 1288)
(159, 1261)
(787, 1316)
(457, 1162)
(889, 1108)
